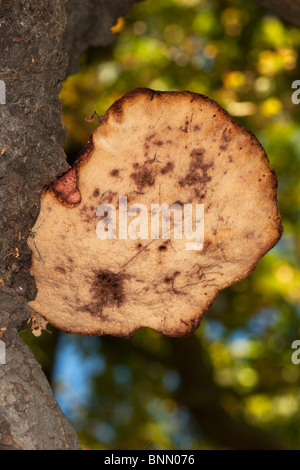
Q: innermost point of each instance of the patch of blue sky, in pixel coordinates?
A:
(260, 323)
(213, 330)
(73, 373)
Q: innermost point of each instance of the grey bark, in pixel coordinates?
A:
(40, 42)
(30, 416)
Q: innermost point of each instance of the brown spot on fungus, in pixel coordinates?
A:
(144, 177)
(60, 270)
(184, 128)
(108, 197)
(149, 137)
(106, 290)
(250, 234)
(169, 279)
(167, 168)
(227, 134)
(194, 177)
(162, 248)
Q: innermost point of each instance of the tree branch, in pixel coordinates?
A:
(287, 9)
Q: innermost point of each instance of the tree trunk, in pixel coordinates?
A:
(40, 42)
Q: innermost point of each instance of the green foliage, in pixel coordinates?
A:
(232, 384)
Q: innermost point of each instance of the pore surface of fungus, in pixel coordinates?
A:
(109, 257)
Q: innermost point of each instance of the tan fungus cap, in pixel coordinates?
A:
(153, 148)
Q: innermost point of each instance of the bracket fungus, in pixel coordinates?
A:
(169, 203)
